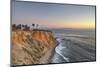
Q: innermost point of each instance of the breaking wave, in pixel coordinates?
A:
(59, 52)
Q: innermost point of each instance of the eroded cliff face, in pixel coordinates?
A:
(32, 47)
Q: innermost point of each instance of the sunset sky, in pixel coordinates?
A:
(54, 15)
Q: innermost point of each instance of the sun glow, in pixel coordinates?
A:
(80, 25)
(75, 25)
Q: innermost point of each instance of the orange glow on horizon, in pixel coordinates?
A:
(76, 25)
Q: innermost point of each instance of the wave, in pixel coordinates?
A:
(73, 48)
(59, 50)
(70, 35)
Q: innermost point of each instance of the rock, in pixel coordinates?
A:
(32, 47)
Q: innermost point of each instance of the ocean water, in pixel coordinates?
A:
(74, 46)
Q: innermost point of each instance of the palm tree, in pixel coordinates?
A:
(33, 25)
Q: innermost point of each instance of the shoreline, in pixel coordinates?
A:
(47, 58)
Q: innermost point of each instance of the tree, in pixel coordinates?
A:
(19, 26)
(13, 27)
(33, 25)
(22, 25)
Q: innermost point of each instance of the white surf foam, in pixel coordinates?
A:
(60, 49)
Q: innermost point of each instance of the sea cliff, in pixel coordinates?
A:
(32, 47)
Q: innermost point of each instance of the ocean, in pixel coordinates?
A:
(74, 45)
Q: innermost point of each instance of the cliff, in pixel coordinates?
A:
(32, 47)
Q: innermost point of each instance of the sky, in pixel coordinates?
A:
(53, 15)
